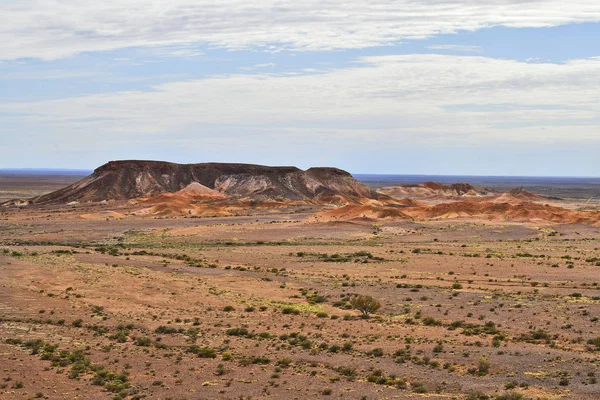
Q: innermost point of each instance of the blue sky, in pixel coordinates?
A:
(440, 87)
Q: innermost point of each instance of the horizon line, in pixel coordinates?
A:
(86, 170)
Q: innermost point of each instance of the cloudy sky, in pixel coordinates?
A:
(495, 87)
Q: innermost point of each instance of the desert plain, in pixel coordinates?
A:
(101, 301)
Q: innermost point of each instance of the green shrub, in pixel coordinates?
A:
(285, 362)
(202, 352)
(430, 321)
(483, 368)
(510, 396)
(376, 352)
(237, 332)
(143, 341)
(365, 304)
(166, 330)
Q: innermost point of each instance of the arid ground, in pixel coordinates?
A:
(97, 303)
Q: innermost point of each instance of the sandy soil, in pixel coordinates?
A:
(257, 306)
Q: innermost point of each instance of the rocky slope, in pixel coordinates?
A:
(524, 212)
(434, 190)
(121, 180)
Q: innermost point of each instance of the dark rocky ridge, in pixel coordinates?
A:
(122, 180)
(460, 188)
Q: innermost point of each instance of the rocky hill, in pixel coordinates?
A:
(434, 190)
(121, 180)
(523, 212)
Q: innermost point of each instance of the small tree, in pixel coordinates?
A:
(365, 304)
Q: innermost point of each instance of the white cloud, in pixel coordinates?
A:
(257, 66)
(264, 65)
(176, 50)
(456, 47)
(46, 75)
(436, 99)
(51, 29)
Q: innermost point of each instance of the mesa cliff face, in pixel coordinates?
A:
(122, 180)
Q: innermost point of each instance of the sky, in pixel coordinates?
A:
(450, 87)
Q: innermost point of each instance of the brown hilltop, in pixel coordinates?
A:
(521, 192)
(525, 211)
(435, 190)
(122, 180)
(458, 188)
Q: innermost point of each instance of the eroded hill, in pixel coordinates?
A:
(434, 190)
(122, 180)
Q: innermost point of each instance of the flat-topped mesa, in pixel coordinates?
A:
(164, 166)
(122, 180)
